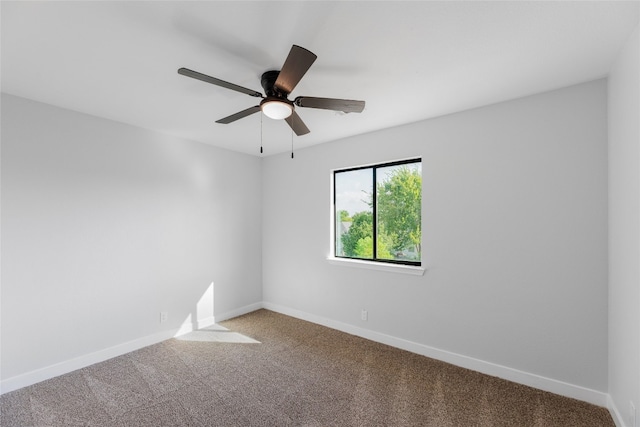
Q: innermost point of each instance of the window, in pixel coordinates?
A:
(391, 213)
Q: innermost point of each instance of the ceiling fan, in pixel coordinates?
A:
(277, 86)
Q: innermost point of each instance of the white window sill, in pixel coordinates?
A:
(381, 266)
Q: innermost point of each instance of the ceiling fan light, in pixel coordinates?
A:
(276, 110)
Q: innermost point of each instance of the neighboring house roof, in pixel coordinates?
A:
(344, 227)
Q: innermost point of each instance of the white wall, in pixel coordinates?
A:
(104, 226)
(515, 237)
(624, 230)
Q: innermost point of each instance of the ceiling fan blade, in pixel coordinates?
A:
(297, 124)
(295, 66)
(196, 75)
(239, 115)
(345, 105)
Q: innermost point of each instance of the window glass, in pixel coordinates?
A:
(399, 199)
(354, 213)
(391, 213)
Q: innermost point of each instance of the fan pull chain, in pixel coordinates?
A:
(261, 114)
(292, 143)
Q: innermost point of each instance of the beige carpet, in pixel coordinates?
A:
(266, 369)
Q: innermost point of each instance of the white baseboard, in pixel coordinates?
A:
(238, 312)
(32, 377)
(532, 380)
(189, 326)
(615, 414)
(510, 374)
(42, 374)
(203, 323)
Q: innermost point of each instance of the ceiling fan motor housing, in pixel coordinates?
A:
(268, 81)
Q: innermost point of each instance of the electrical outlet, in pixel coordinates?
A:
(364, 315)
(632, 415)
(164, 316)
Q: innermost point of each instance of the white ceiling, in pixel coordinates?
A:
(408, 60)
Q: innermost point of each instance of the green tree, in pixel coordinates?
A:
(364, 248)
(399, 201)
(344, 216)
(361, 228)
(385, 243)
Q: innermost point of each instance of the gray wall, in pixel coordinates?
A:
(105, 225)
(624, 230)
(514, 238)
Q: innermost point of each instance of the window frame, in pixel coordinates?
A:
(374, 260)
